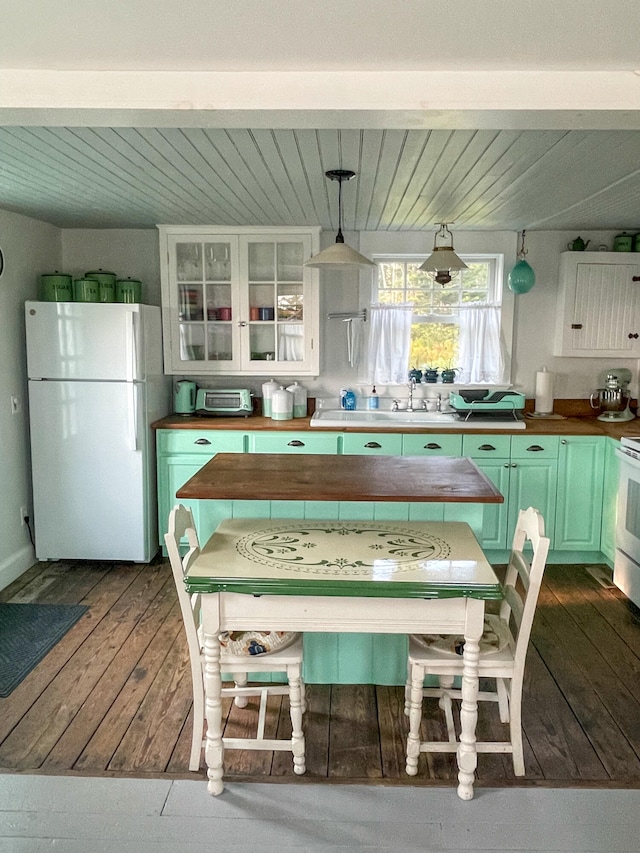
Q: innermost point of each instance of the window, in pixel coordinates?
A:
(443, 316)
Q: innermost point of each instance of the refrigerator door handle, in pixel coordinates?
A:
(132, 414)
(133, 345)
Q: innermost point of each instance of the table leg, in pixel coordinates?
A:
(297, 735)
(467, 753)
(416, 683)
(214, 748)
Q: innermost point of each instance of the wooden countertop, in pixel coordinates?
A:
(320, 477)
(573, 425)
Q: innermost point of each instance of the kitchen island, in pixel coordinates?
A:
(348, 488)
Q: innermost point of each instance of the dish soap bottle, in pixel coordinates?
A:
(349, 401)
(374, 400)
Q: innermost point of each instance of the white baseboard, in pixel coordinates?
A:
(16, 565)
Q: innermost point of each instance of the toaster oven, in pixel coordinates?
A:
(224, 403)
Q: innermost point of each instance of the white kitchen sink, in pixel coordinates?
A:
(430, 420)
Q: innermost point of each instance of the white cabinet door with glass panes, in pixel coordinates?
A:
(239, 301)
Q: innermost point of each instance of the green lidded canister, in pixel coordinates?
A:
(107, 284)
(128, 290)
(56, 287)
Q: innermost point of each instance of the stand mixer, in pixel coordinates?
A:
(613, 399)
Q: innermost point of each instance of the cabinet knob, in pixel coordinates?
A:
(486, 447)
(202, 441)
(432, 446)
(372, 444)
(295, 443)
(633, 335)
(242, 323)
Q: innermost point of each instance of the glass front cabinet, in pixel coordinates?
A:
(239, 301)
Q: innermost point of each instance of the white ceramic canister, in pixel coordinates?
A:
(299, 400)
(282, 405)
(267, 393)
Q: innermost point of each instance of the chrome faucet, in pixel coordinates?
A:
(412, 387)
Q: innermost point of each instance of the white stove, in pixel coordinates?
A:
(626, 567)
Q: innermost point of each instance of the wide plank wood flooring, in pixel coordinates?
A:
(113, 697)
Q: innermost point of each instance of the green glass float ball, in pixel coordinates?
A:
(521, 278)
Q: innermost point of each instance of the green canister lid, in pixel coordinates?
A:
(102, 276)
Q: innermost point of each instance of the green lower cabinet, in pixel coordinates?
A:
(533, 479)
(355, 658)
(579, 506)
(180, 454)
(532, 482)
(610, 499)
(495, 522)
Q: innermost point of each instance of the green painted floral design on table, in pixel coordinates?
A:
(293, 548)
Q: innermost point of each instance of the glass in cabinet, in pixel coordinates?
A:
(240, 302)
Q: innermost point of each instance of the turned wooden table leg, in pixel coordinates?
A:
(214, 749)
(467, 753)
(416, 681)
(297, 735)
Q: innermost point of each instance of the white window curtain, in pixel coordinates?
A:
(483, 357)
(291, 342)
(389, 344)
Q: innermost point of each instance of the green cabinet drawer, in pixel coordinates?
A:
(431, 445)
(539, 447)
(292, 442)
(205, 441)
(486, 446)
(372, 443)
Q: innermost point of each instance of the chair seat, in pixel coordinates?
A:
(254, 643)
(496, 637)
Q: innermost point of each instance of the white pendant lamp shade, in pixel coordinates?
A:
(339, 255)
(443, 264)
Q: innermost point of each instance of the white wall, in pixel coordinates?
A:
(30, 248)
(128, 253)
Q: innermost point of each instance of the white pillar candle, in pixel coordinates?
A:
(544, 392)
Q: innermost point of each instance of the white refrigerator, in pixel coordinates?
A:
(96, 384)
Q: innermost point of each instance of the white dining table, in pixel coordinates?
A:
(344, 576)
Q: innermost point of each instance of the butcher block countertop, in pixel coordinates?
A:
(279, 476)
(579, 420)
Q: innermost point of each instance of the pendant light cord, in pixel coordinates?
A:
(339, 237)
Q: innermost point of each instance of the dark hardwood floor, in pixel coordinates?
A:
(113, 697)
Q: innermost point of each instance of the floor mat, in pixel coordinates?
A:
(27, 633)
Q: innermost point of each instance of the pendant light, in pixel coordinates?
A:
(522, 277)
(443, 264)
(339, 254)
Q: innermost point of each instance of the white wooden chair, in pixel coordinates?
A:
(285, 658)
(503, 650)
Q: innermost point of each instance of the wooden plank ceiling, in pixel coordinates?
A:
(90, 177)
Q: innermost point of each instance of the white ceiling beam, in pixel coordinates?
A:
(275, 99)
